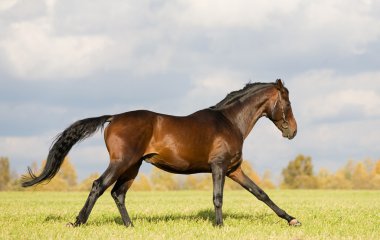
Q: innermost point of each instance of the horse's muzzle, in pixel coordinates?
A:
(287, 133)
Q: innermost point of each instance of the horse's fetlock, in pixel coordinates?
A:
(218, 200)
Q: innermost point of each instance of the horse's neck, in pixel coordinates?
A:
(244, 115)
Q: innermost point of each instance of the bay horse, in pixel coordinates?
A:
(207, 141)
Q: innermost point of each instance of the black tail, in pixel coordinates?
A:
(61, 146)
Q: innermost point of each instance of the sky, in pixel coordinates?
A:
(61, 61)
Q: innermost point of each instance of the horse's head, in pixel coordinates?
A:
(280, 111)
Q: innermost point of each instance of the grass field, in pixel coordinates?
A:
(189, 215)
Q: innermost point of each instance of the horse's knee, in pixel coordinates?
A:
(262, 196)
(218, 200)
(117, 195)
(97, 188)
(114, 194)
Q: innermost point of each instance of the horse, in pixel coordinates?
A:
(207, 141)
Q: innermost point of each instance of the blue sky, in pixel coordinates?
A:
(61, 61)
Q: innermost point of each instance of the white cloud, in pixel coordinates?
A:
(88, 157)
(232, 14)
(22, 151)
(335, 103)
(349, 26)
(147, 38)
(7, 4)
(326, 95)
(35, 52)
(212, 88)
(346, 26)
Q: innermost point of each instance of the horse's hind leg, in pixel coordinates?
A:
(120, 189)
(239, 177)
(98, 187)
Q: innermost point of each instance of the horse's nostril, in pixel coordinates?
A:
(295, 133)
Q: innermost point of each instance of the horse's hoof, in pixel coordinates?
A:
(129, 225)
(70, 225)
(73, 225)
(294, 222)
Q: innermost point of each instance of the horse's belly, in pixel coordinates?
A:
(177, 165)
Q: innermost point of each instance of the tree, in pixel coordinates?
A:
(162, 180)
(376, 168)
(86, 184)
(327, 180)
(5, 176)
(142, 183)
(191, 182)
(68, 173)
(375, 176)
(360, 177)
(340, 180)
(205, 182)
(248, 170)
(65, 179)
(299, 173)
(266, 181)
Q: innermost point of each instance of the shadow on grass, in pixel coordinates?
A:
(54, 218)
(202, 215)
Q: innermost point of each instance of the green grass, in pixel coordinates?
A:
(189, 215)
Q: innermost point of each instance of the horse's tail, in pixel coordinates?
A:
(61, 146)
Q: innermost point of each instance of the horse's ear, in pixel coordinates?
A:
(279, 83)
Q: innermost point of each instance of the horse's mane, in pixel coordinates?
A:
(235, 95)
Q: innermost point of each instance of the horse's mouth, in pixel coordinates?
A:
(287, 134)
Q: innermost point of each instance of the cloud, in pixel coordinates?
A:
(88, 157)
(58, 41)
(24, 150)
(347, 25)
(7, 4)
(326, 24)
(227, 14)
(208, 89)
(35, 52)
(365, 103)
(338, 98)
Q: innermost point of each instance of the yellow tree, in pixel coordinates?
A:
(299, 173)
(68, 173)
(205, 182)
(162, 180)
(360, 177)
(376, 168)
(326, 180)
(5, 176)
(191, 182)
(86, 184)
(249, 171)
(142, 183)
(266, 181)
(65, 179)
(375, 180)
(340, 180)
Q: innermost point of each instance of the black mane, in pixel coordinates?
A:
(235, 95)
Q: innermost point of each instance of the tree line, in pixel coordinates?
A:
(298, 174)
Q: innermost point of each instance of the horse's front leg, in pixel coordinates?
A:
(218, 177)
(239, 177)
